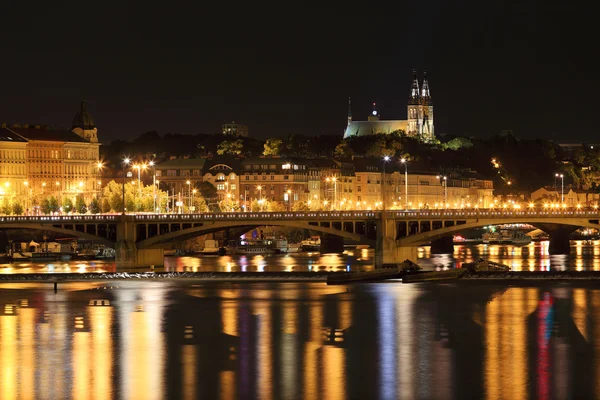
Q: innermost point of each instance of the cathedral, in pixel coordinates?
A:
(419, 113)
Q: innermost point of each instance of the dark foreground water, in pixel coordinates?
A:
(156, 340)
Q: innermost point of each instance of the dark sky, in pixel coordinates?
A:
(187, 67)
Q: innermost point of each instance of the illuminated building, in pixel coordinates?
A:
(234, 129)
(39, 161)
(419, 120)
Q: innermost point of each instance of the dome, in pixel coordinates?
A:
(83, 119)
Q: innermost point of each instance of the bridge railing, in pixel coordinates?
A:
(260, 216)
(83, 218)
(492, 214)
(305, 215)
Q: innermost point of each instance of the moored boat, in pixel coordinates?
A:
(311, 244)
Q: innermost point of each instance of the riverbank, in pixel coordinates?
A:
(204, 276)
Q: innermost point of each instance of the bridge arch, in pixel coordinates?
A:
(64, 231)
(159, 240)
(425, 237)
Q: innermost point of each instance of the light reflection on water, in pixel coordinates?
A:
(157, 340)
(585, 256)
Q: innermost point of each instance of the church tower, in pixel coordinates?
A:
(349, 111)
(83, 125)
(413, 108)
(374, 116)
(426, 111)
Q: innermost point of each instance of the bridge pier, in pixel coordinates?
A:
(559, 237)
(127, 253)
(387, 251)
(443, 245)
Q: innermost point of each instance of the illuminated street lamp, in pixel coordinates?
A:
(27, 195)
(126, 162)
(562, 186)
(385, 159)
(405, 162)
(260, 196)
(189, 195)
(444, 182)
(153, 165)
(99, 165)
(289, 196)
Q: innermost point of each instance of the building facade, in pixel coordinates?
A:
(38, 161)
(277, 179)
(419, 120)
(234, 129)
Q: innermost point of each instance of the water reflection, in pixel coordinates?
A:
(585, 256)
(299, 340)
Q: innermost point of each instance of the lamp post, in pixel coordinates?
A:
(444, 181)
(59, 190)
(260, 196)
(405, 162)
(27, 195)
(126, 162)
(98, 173)
(193, 208)
(289, 193)
(334, 179)
(562, 187)
(153, 165)
(189, 195)
(385, 159)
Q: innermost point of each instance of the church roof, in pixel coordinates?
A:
(83, 119)
(362, 128)
(43, 133)
(6, 135)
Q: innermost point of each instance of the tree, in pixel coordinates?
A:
(343, 150)
(459, 142)
(229, 205)
(300, 206)
(377, 148)
(234, 147)
(6, 208)
(272, 147)
(67, 205)
(46, 206)
(53, 204)
(105, 205)
(95, 206)
(17, 208)
(200, 204)
(80, 206)
(207, 190)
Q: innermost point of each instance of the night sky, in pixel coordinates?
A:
(188, 67)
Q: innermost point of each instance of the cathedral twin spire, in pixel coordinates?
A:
(422, 97)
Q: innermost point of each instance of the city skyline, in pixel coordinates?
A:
(143, 68)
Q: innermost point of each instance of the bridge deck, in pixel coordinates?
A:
(316, 215)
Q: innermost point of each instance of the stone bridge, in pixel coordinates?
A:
(140, 238)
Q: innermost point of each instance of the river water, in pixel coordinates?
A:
(585, 255)
(183, 340)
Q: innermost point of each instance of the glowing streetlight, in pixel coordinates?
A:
(153, 165)
(444, 182)
(405, 162)
(126, 162)
(562, 186)
(385, 160)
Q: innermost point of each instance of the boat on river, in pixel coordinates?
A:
(211, 247)
(257, 246)
(311, 244)
(506, 236)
